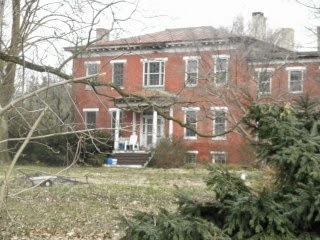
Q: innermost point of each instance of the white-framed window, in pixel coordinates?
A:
(191, 70)
(153, 72)
(118, 72)
(90, 117)
(190, 118)
(219, 157)
(92, 68)
(264, 80)
(191, 156)
(219, 122)
(295, 79)
(221, 69)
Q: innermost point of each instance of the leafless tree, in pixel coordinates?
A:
(32, 34)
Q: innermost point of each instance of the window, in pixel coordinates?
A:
(221, 66)
(219, 157)
(92, 68)
(90, 117)
(191, 121)
(118, 72)
(219, 122)
(264, 77)
(191, 70)
(191, 156)
(295, 79)
(153, 72)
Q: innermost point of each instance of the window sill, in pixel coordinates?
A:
(220, 84)
(121, 87)
(262, 94)
(156, 86)
(219, 138)
(190, 138)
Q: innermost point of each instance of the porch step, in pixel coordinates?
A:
(132, 158)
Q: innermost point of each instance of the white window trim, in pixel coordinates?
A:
(224, 109)
(264, 69)
(118, 61)
(186, 109)
(193, 151)
(218, 152)
(222, 56)
(90, 110)
(91, 62)
(290, 69)
(259, 70)
(146, 60)
(186, 59)
(190, 109)
(154, 60)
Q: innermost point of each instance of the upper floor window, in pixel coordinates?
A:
(118, 72)
(90, 117)
(219, 122)
(92, 68)
(191, 70)
(219, 157)
(221, 69)
(295, 79)
(264, 80)
(153, 72)
(191, 121)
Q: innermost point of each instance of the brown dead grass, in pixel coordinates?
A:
(91, 210)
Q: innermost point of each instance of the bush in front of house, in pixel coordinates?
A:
(61, 150)
(96, 160)
(169, 153)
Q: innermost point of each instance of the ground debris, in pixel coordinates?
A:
(54, 234)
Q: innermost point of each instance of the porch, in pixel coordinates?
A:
(143, 128)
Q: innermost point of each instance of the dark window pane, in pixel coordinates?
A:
(219, 158)
(118, 74)
(91, 119)
(295, 81)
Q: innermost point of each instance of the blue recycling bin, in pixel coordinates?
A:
(109, 160)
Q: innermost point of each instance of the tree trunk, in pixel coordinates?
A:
(7, 86)
(4, 155)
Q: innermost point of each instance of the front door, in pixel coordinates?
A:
(147, 129)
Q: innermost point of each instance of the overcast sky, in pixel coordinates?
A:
(157, 15)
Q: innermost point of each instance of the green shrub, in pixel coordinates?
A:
(60, 150)
(96, 160)
(169, 153)
(166, 226)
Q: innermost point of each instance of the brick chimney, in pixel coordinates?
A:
(286, 38)
(102, 33)
(258, 26)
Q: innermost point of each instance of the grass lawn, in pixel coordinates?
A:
(91, 210)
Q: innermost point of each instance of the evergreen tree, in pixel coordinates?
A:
(288, 141)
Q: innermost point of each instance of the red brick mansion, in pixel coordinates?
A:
(194, 83)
